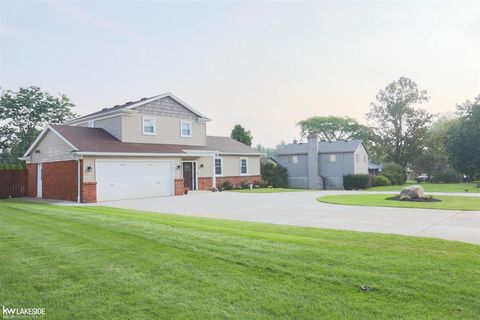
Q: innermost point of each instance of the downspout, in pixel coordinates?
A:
(78, 180)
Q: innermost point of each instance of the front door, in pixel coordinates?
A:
(189, 175)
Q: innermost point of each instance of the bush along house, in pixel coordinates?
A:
(152, 147)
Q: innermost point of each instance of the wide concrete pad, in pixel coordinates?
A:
(302, 209)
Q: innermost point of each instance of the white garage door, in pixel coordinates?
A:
(133, 179)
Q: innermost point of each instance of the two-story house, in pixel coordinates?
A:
(152, 147)
(322, 165)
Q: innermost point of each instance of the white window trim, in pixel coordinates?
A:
(294, 159)
(154, 126)
(246, 163)
(182, 122)
(328, 157)
(91, 123)
(215, 167)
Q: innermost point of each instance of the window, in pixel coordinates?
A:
(91, 124)
(293, 159)
(149, 126)
(330, 157)
(243, 166)
(364, 158)
(186, 129)
(218, 166)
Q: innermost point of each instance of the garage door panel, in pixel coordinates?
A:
(133, 179)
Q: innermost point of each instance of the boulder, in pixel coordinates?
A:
(412, 192)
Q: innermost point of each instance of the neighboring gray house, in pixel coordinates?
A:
(322, 165)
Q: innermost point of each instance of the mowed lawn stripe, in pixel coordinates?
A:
(97, 262)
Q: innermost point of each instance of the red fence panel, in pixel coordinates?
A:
(13, 183)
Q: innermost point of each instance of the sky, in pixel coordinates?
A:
(264, 65)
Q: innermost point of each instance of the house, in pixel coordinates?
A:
(374, 169)
(152, 147)
(322, 165)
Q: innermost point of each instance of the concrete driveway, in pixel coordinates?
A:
(302, 209)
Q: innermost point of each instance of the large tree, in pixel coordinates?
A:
(23, 113)
(463, 139)
(240, 134)
(331, 128)
(401, 126)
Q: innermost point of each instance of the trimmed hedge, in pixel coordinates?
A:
(380, 181)
(355, 181)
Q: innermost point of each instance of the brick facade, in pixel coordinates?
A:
(88, 192)
(179, 187)
(32, 180)
(238, 180)
(205, 183)
(59, 180)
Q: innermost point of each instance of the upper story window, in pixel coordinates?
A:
(185, 129)
(364, 158)
(149, 126)
(218, 166)
(293, 159)
(243, 166)
(330, 157)
(91, 124)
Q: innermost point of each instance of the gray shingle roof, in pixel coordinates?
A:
(98, 140)
(228, 145)
(323, 147)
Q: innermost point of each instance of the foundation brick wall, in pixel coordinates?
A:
(59, 180)
(88, 192)
(238, 180)
(179, 187)
(204, 183)
(31, 180)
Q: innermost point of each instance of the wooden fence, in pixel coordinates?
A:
(13, 183)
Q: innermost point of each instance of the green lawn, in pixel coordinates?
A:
(105, 263)
(434, 187)
(268, 190)
(379, 200)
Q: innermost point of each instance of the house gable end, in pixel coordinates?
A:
(167, 107)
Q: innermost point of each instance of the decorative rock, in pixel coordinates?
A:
(412, 192)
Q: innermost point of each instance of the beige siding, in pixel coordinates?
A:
(90, 161)
(112, 125)
(361, 166)
(52, 148)
(207, 169)
(167, 131)
(231, 165)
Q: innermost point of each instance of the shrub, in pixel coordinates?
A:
(244, 185)
(355, 181)
(380, 181)
(395, 173)
(446, 176)
(225, 185)
(274, 174)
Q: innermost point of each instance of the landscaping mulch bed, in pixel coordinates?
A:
(415, 200)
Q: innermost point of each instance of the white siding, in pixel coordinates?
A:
(52, 148)
(167, 131)
(361, 166)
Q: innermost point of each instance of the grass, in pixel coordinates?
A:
(105, 263)
(379, 200)
(268, 190)
(434, 187)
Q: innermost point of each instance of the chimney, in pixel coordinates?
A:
(313, 177)
(295, 141)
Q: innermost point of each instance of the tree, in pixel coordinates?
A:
(23, 113)
(463, 139)
(274, 174)
(331, 128)
(400, 125)
(240, 134)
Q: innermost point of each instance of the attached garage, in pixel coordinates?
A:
(124, 179)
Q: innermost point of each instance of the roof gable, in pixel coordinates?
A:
(323, 147)
(170, 101)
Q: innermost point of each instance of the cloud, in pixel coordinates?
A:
(73, 11)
